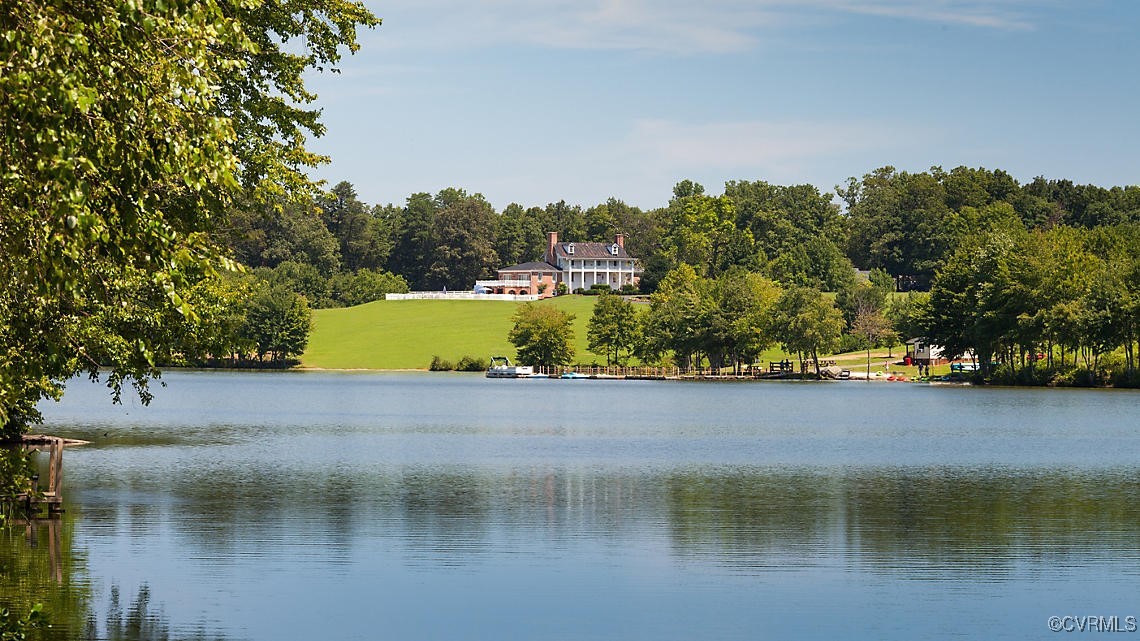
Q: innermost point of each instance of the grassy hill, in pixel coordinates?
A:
(406, 334)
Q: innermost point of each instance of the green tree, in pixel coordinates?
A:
(860, 296)
(797, 228)
(543, 335)
(277, 323)
(908, 313)
(414, 246)
(977, 299)
(870, 325)
(568, 220)
(521, 237)
(126, 132)
(679, 318)
(741, 320)
(362, 239)
(302, 278)
(221, 305)
(464, 234)
(898, 223)
(702, 232)
(365, 286)
(807, 323)
(613, 327)
(266, 235)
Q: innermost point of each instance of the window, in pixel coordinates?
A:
(570, 249)
(614, 249)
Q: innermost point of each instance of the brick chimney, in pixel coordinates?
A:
(620, 240)
(551, 241)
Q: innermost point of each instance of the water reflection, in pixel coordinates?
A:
(944, 517)
(40, 565)
(141, 622)
(338, 502)
(384, 540)
(910, 520)
(37, 565)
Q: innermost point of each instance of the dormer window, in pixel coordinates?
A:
(570, 249)
(614, 249)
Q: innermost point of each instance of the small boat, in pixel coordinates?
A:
(572, 375)
(501, 368)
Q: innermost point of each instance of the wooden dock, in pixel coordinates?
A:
(51, 497)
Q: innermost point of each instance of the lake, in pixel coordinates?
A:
(269, 506)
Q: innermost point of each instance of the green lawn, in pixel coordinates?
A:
(406, 334)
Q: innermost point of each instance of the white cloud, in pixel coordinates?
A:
(669, 26)
(753, 144)
(657, 26)
(989, 14)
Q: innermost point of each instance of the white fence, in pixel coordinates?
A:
(460, 296)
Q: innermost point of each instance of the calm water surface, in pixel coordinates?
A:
(430, 506)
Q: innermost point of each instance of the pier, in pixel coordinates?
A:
(50, 499)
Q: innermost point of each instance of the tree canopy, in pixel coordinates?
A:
(128, 129)
(543, 335)
(613, 328)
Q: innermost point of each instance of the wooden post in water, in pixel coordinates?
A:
(54, 494)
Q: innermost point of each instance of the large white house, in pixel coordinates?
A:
(578, 265)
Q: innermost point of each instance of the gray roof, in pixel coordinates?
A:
(531, 267)
(589, 250)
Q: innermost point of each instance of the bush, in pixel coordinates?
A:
(561, 289)
(471, 364)
(598, 288)
(851, 343)
(440, 365)
(629, 289)
(1125, 379)
(1004, 374)
(365, 286)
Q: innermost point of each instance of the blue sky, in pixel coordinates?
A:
(533, 101)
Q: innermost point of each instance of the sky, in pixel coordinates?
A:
(536, 101)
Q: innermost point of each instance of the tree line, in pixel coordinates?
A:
(907, 229)
(697, 322)
(1056, 306)
(1043, 306)
(905, 224)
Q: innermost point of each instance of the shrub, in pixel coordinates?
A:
(365, 286)
(471, 364)
(561, 288)
(440, 365)
(598, 288)
(1110, 367)
(629, 289)
(851, 343)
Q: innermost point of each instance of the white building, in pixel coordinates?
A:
(578, 265)
(585, 264)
